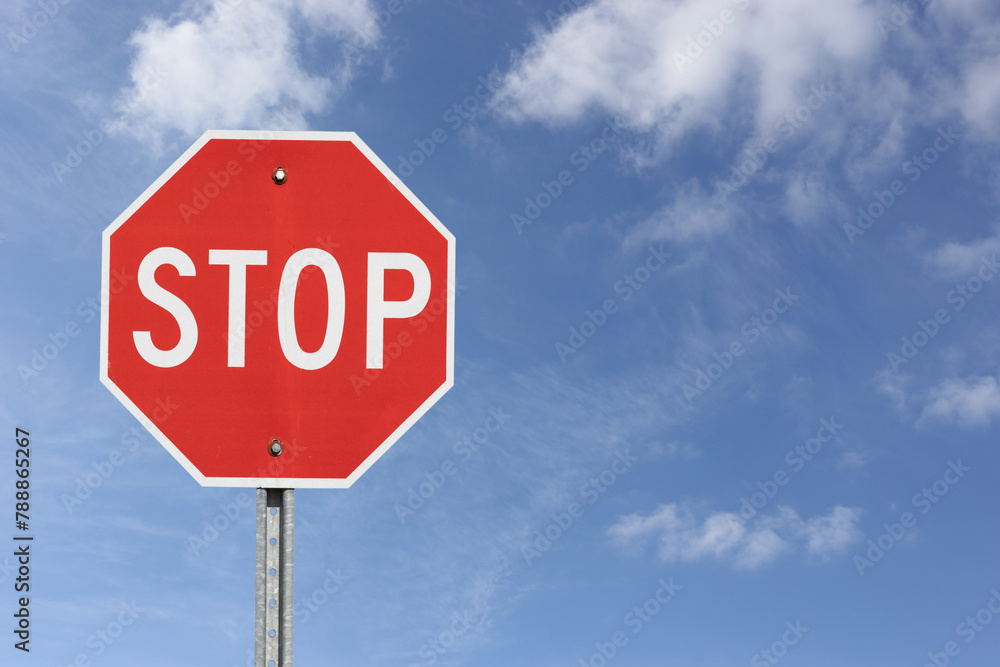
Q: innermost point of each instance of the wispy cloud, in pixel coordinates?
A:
(682, 536)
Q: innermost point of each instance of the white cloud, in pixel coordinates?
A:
(981, 105)
(853, 460)
(724, 535)
(634, 58)
(961, 260)
(641, 60)
(235, 64)
(974, 401)
(829, 534)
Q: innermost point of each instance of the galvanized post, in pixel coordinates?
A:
(274, 602)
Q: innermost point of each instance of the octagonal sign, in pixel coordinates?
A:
(279, 309)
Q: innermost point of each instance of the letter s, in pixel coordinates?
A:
(170, 303)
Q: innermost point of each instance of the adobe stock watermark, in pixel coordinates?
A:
(90, 481)
(927, 329)
(590, 492)
(104, 637)
(968, 629)
(47, 10)
(751, 331)
(230, 512)
(260, 311)
(924, 501)
(901, 14)
(432, 650)
(212, 528)
(150, 78)
(219, 179)
(627, 287)
(915, 168)
(794, 632)
(705, 39)
(796, 459)
(87, 311)
(754, 159)
(396, 347)
(308, 605)
(455, 116)
(581, 159)
(636, 620)
(464, 449)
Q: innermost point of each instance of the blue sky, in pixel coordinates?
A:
(726, 271)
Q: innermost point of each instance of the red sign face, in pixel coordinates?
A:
(278, 291)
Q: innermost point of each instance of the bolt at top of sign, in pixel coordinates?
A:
(275, 271)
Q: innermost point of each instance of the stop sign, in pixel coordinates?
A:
(279, 309)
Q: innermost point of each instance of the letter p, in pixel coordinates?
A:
(379, 310)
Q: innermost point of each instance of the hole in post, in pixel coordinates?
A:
(273, 541)
(272, 572)
(270, 633)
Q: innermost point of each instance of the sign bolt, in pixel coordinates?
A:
(274, 448)
(279, 175)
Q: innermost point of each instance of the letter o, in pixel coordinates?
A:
(336, 299)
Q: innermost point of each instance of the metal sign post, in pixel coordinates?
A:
(274, 601)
